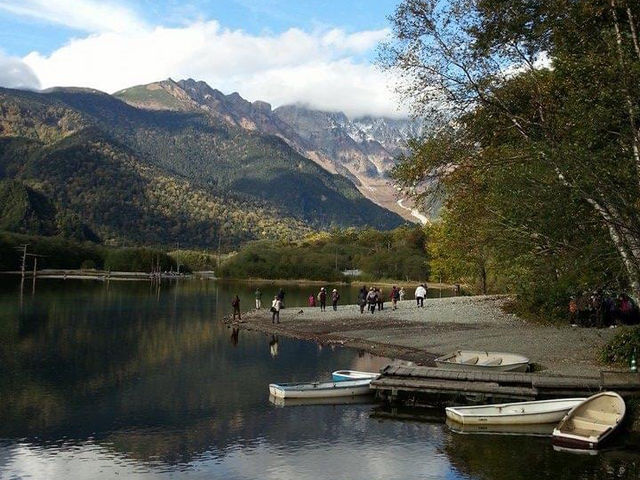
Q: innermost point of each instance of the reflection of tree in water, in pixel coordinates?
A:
(503, 457)
(153, 378)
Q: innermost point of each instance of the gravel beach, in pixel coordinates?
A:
(443, 325)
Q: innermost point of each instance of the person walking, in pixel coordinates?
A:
(395, 296)
(258, 295)
(335, 296)
(235, 303)
(372, 300)
(421, 294)
(322, 298)
(362, 298)
(380, 299)
(276, 305)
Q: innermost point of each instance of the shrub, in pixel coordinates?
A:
(620, 348)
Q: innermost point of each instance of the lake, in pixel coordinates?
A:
(128, 380)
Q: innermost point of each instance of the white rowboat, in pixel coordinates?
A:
(320, 389)
(342, 375)
(533, 430)
(520, 413)
(591, 422)
(483, 360)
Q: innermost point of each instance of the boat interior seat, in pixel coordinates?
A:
(491, 362)
(469, 361)
(592, 425)
(598, 417)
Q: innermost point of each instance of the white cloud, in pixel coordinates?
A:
(324, 69)
(14, 73)
(85, 15)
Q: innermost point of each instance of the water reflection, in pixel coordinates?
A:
(234, 336)
(273, 346)
(99, 380)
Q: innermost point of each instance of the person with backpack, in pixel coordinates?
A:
(235, 303)
(276, 305)
(322, 298)
(395, 296)
(372, 300)
(335, 296)
(362, 298)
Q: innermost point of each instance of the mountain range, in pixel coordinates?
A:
(362, 149)
(180, 161)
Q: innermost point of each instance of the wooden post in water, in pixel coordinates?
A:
(35, 270)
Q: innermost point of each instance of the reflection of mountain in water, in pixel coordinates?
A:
(123, 379)
(155, 376)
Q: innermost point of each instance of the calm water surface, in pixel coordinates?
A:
(124, 380)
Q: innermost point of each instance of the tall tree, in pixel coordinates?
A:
(539, 98)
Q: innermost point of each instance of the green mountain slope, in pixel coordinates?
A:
(25, 210)
(215, 157)
(89, 176)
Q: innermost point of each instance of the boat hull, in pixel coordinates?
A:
(529, 430)
(347, 375)
(520, 413)
(321, 389)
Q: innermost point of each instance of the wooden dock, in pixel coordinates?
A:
(435, 386)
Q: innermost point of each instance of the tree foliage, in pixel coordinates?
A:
(536, 150)
(396, 254)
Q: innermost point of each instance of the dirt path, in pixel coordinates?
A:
(443, 325)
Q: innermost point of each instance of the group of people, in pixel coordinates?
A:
(321, 299)
(276, 305)
(368, 298)
(600, 309)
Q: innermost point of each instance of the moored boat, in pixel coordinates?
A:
(483, 360)
(320, 389)
(296, 402)
(520, 413)
(591, 422)
(343, 375)
(529, 430)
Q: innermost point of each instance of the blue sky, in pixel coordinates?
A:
(21, 34)
(281, 51)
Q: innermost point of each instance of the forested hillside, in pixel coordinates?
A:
(136, 176)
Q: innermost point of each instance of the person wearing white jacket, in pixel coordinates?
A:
(421, 294)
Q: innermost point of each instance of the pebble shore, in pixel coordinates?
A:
(441, 326)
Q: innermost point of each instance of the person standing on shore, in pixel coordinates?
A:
(395, 296)
(312, 300)
(421, 294)
(258, 295)
(235, 303)
(335, 296)
(276, 305)
(362, 298)
(322, 298)
(372, 299)
(380, 299)
(402, 293)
